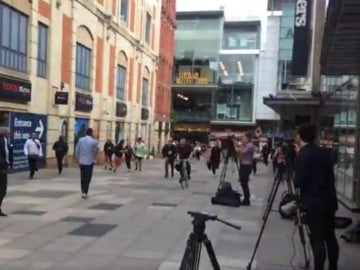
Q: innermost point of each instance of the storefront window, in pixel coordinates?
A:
(197, 46)
(240, 37)
(345, 129)
(233, 103)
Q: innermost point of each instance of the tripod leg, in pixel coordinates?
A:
(272, 196)
(303, 240)
(211, 253)
(187, 261)
(266, 216)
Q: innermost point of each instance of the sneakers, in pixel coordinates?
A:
(84, 196)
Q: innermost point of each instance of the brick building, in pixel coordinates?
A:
(164, 75)
(67, 65)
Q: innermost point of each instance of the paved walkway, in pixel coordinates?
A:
(136, 221)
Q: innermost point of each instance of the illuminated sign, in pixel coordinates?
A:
(191, 78)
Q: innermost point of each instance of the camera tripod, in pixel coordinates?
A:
(191, 257)
(299, 218)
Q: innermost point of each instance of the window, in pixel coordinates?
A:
(148, 27)
(120, 82)
(13, 39)
(42, 50)
(124, 10)
(145, 92)
(83, 62)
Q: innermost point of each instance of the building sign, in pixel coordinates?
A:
(15, 90)
(61, 98)
(144, 114)
(121, 109)
(191, 78)
(301, 47)
(286, 31)
(83, 103)
(21, 127)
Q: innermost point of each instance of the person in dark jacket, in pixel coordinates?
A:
(169, 152)
(215, 157)
(61, 148)
(128, 155)
(108, 151)
(6, 161)
(118, 154)
(314, 177)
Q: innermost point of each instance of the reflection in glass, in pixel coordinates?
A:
(237, 68)
(241, 37)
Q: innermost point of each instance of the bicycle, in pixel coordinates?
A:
(183, 173)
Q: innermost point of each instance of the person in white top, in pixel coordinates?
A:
(33, 151)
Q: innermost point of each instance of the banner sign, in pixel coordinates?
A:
(15, 90)
(21, 127)
(302, 39)
(61, 98)
(121, 109)
(83, 103)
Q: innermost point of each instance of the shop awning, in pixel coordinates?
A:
(341, 42)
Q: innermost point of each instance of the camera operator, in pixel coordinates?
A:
(314, 176)
(245, 152)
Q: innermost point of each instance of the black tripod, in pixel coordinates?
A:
(191, 258)
(299, 223)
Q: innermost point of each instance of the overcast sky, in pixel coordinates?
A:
(233, 8)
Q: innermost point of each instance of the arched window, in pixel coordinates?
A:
(84, 45)
(145, 87)
(121, 75)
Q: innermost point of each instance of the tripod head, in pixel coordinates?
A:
(199, 219)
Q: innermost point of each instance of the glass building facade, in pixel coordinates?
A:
(214, 71)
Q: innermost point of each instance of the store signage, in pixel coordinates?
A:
(144, 114)
(300, 56)
(191, 78)
(15, 90)
(121, 109)
(83, 103)
(21, 127)
(61, 98)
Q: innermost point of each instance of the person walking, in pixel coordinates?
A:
(314, 177)
(265, 151)
(6, 160)
(129, 153)
(33, 150)
(85, 153)
(108, 151)
(61, 148)
(215, 158)
(118, 154)
(139, 153)
(245, 153)
(169, 152)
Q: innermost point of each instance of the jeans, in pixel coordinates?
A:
(322, 238)
(244, 175)
(169, 161)
(59, 160)
(188, 169)
(3, 185)
(85, 176)
(32, 165)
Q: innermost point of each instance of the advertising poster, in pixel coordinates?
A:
(81, 124)
(21, 127)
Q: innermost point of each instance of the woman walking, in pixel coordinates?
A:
(128, 156)
(108, 151)
(118, 154)
(61, 148)
(215, 157)
(139, 153)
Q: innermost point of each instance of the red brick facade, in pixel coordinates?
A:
(166, 56)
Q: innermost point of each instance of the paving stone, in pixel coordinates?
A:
(106, 206)
(68, 243)
(95, 230)
(30, 212)
(127, 263)
(12, 254)
(164, 204)
(77, 219)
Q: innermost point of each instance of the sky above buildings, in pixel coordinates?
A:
(234, 9)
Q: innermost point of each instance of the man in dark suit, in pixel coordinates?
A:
(314, 176)
(6, 159)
